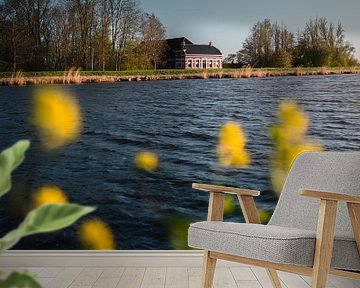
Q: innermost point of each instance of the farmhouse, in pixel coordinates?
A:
(181, 53)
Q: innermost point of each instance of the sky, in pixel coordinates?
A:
(227, 23)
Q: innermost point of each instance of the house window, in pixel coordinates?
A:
(204, 64)
(197, 63)
(189, 63)
(218, 63)
(210, 63)
(179, 63)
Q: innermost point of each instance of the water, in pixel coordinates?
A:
(178, 120)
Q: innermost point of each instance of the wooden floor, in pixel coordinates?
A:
(142, 269)
(166, 277)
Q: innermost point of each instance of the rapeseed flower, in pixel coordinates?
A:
(57, 117)
(177, 231)
(289, 140)
(94, 234)
(291, 116)
(264, 216)
(49, 194)
(146, 160)
(231, 149)
(229, 205)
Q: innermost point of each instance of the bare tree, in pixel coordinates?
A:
(91, 34)
(152, 45)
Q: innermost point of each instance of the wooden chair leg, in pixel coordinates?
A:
(208, 270)
(354, 212)
(274, 278)
(324, 243)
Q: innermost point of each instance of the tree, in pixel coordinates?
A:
(152, 45)
(27, 25)
(89, 34)
(125, 16)
(231, 59)
(322, 44)
(283, 44)
(267, 45)
(258, 44)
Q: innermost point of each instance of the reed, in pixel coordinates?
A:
(259, 73)
(204, 75)
(72, 76)
(246, 71)
(17, 79)
(298, 71)
(323, 71)
(236, 74)
(219, 75)
(178, 77)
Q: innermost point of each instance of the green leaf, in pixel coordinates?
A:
(46, 218)
(20, 280)
(51, 217)
(11, 158)
(10, 239)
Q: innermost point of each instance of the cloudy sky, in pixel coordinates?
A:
(227, 22)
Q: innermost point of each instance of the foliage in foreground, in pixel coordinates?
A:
(46, 218)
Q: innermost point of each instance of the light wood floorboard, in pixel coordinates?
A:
(170, 277)
(177, 278)
(309, 280)
(64, 278)
(224, 278)
(263, 278)
(194, 277)
(132, 278)
(293, 280)
(154, 278)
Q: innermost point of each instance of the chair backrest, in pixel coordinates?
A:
(325, 171)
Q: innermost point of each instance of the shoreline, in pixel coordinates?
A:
(77, 77)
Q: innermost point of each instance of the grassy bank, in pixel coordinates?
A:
(77, 76)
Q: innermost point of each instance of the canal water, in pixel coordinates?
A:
(178, 120)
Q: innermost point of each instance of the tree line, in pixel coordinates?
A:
(39, 35)
(320, 43)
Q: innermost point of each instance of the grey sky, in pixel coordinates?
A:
(227, 22)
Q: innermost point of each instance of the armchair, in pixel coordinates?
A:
(312, 232)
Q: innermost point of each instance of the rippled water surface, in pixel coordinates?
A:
(179, 121)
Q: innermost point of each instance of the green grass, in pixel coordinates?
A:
(116, 73)
(166, 71)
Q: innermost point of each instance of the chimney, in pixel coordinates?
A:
(210, 43)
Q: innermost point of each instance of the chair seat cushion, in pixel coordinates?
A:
(270, 243)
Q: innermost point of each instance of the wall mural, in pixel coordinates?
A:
(131, 151)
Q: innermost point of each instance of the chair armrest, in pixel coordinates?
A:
(224, 189)
(216, 201)
(328, 204)
(322, 195)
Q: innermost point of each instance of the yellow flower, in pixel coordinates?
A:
(231, 150)
(49, 194)
(146, 160)
(94, 234)
(296, 150)
(177, 231)
(264, 216)
(289, 140)
(229, 205)
(293, 121)
(57, 116)
(290, 114)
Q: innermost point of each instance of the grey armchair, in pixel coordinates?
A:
(312, 232)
